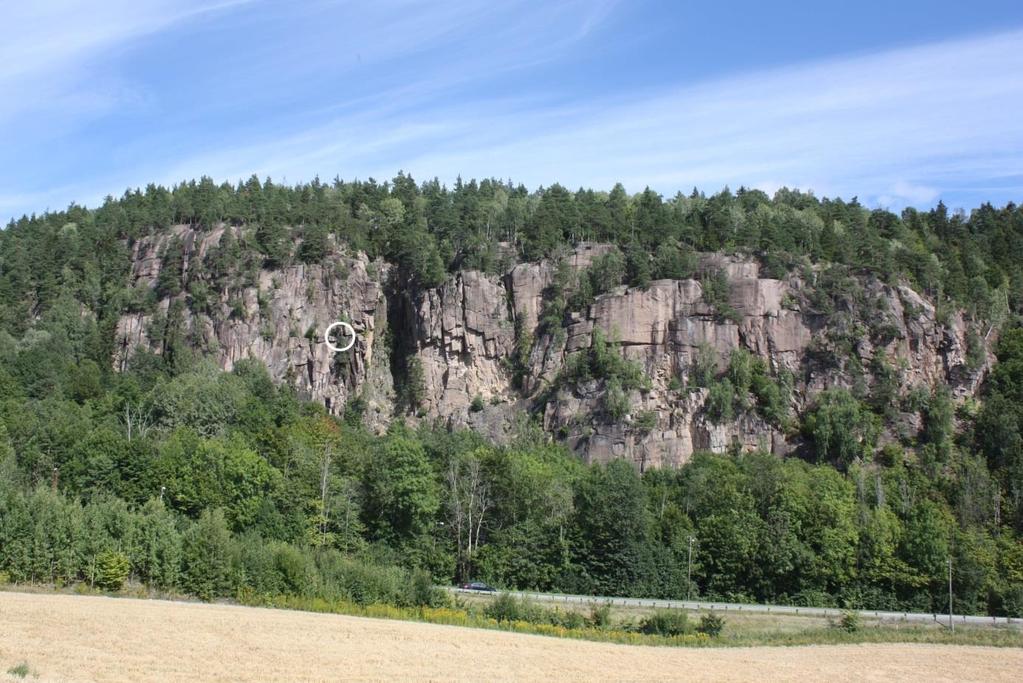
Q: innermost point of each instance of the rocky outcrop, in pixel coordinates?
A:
(464, 335)
(277, 317)
(663, 327)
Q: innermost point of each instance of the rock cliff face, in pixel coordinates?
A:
(663, 328)
(465, 334)
(277, 317)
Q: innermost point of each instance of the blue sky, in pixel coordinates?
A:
(899, 103)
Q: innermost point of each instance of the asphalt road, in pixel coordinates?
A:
(727, 607)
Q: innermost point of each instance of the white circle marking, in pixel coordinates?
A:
(348, 329)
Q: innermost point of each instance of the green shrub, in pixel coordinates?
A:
(600, 616)
(412, 390)
(719, 403)
(665, 622)
(711, 624)
(423, 592)
(477, 404)
(295, 569)
(362, 582)
(742, 367)
(112, 570)
(555, 303)
(570, 619)
(716, 293)
(616, 401)
(645, 421)
(811, 597)
(506, 607)
(773, 397)
(604, 274)
(603, 361)
(705, 366)
(518, 362)
(850, 622)
(976, 354)
(19, 671)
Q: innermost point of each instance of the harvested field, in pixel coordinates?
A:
(78, 638)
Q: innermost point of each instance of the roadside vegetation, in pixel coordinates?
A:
(659, 628)
(212, 484)
(169, 475)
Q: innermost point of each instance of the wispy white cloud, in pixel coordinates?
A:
(56, 62)
(366, 66)
(47, 36)
(424, 87)
(896, 128)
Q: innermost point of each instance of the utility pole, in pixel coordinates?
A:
(951, 624)
(689, 571)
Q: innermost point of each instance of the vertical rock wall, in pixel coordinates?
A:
(464, 334)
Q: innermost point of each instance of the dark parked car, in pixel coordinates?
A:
(477, 586)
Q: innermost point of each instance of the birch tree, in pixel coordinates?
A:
(468, 501)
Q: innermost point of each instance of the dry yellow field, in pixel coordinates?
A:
(77, 638)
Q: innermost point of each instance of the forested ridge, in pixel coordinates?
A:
(185, 478)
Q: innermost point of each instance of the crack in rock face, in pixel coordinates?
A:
(467, 332)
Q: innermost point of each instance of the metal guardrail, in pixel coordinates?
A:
(979, 620)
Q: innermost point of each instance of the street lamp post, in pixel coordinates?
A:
(689, 571)
(951, 624)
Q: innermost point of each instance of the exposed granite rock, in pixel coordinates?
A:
(464, 334)
(280, 320)
(663, 326)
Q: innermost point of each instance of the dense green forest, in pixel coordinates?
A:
(188, 479)
(429, 230)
